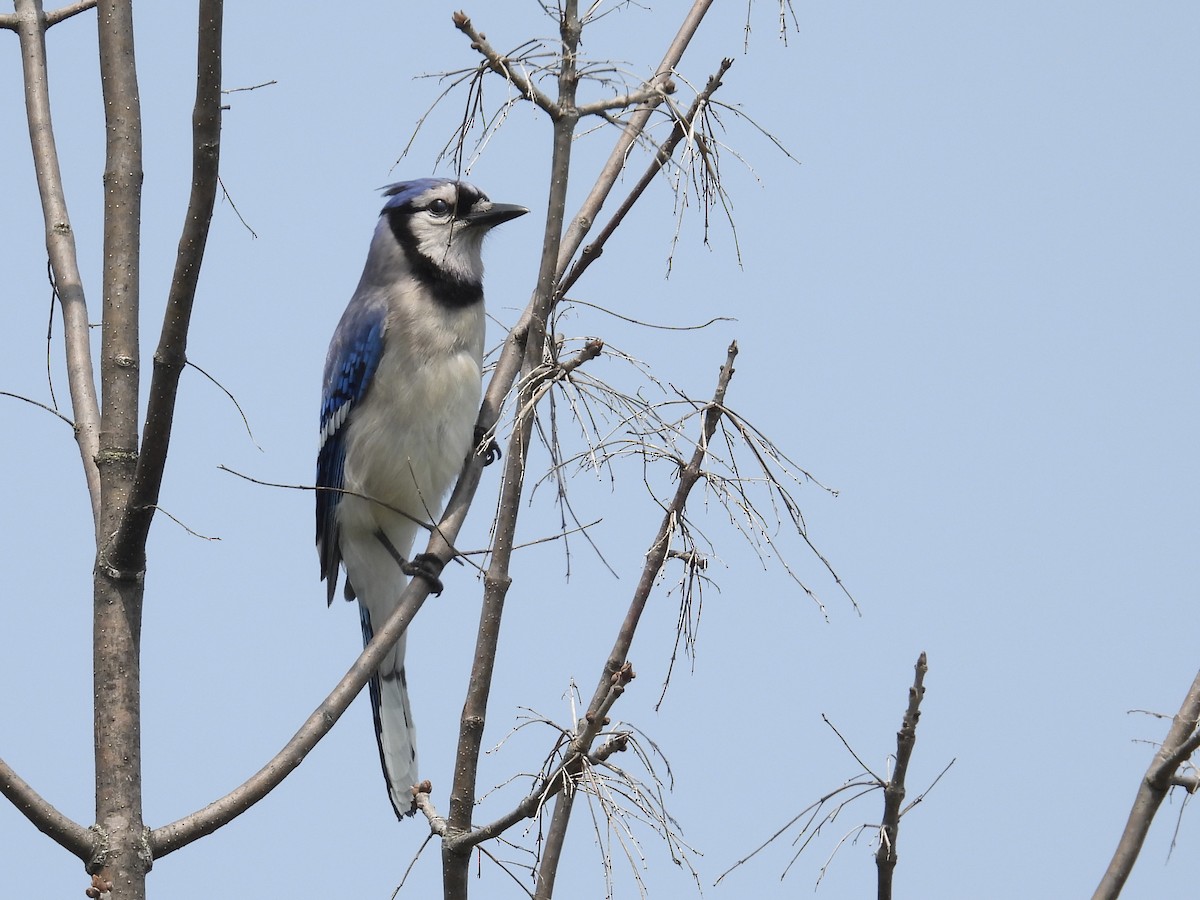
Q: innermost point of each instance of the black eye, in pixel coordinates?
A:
(438, 207)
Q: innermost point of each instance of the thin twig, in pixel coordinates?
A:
(440, 529)
(225, 193)
(40, 405)
(191, 531)
(232, 399)
(249, 87)
(574, 301)
(811, 811)
(893, 789)
(851, 751)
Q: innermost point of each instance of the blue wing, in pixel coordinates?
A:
(354, 355)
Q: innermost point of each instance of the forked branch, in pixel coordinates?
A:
(1181, 742)
(825, 810)
(499, 64)
(683, 127)
(171, 355)
(523, 348)
(617, 671)
(13, 21)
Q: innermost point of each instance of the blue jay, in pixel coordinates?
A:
(401, 395)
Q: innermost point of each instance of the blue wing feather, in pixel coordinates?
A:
(353, 357)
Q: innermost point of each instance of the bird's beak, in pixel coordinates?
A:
(495, 215)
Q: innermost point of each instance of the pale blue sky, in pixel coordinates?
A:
(971, 309)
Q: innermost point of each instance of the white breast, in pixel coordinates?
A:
(410, 434)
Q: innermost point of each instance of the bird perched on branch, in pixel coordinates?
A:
(400, 399)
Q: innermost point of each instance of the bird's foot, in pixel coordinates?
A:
(427, 566)
(491, 452)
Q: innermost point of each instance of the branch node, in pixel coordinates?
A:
(113, 573)
(100, 849)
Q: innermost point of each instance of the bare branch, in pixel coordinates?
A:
(624, 101)
(225, 192)
(59, 15)
(818, 814)
(60, 244)
(182, 832)
(118, 590)
(858, 759)
(573, 301)
(811, 811)
(1189, 781)
(660, 547)
(191, 531)
(249, 87)
(524, 346)
(893, 792)
(1181, 741)
(49, 821)
(499, 65)
(171, 356)
(634, 126)
(683, 126)
(12, 21)
(416, 856)
(617, 671)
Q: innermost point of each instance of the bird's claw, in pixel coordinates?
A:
(491, 451)
(427, 566)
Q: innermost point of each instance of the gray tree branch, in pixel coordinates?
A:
(617, 672)
(500, 65)
(171, 356)
(60, 828)
(455, 861)
(66, 12)
(682, 128)
(1177, 748)
(893, 791)
(523, 349)
(581, 224)
(31, 24)
(118, 592)
(12, 21)
(182, 832)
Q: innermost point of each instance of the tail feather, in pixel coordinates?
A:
(395, 732)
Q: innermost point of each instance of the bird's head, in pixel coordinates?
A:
(440, 223)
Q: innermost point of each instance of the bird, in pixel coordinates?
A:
(400, 396)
